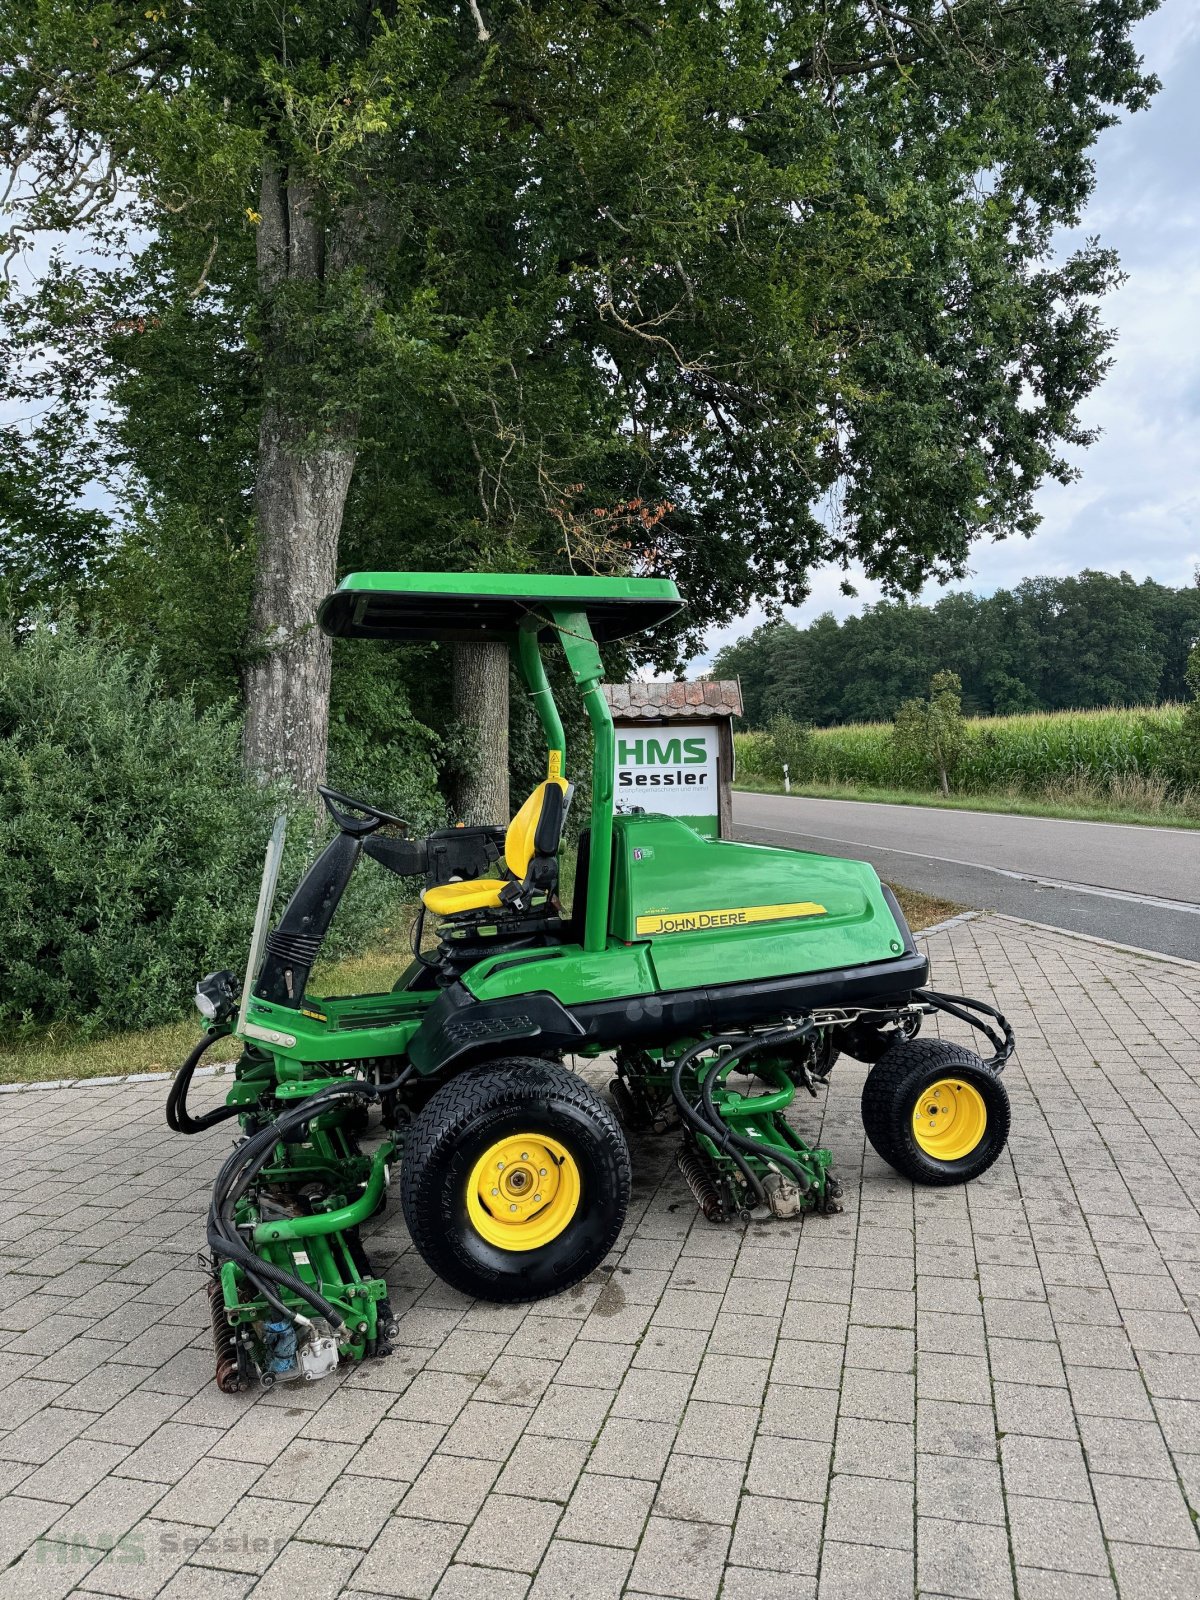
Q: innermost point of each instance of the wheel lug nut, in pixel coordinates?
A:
(512, 1208)
(495, 1191)
(541, 1172)
(537, 1197)
(524, 1157)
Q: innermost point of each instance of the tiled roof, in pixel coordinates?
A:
(704, 697)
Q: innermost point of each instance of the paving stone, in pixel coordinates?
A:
(451, 1488)
(711, 1429)
(399, 1449)
(630, 1449)
(481, 1583)
(545, 1469)
(434, 1397)
(607, 1510)
(969, 1561)
(408, 1558)
(876, 1511)
(208, 1492)
(962, 1488)
(1063, 1535)
(875, 1449)
(353, 1510)
(877, 1396)
(570, 1411)
(1149, 1511)
(317, 1571)
(581, 1572)
(702, 1489)
(77, 1467)
(775, 1534)
(510, 1531)
(1144, 1573)
(794, 1470)
(649, 1396)
(251, 1536)
(1052, 1469)
(682, 1560)
(145, 1559)
(1036, 1583)
(855, 1571)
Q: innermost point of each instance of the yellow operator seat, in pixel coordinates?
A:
(530, 846)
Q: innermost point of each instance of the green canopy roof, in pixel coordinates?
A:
(488, 605)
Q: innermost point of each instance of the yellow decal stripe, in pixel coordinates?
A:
(732, 917)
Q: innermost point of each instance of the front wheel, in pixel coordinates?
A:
(934, 1111)
(515, 1180)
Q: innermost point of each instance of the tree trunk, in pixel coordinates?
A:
(481, 705)
(300, 494)
(299, 498)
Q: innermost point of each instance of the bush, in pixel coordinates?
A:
(929, 736)
(131, 844)
(791, 743)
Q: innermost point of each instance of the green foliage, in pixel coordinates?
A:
(702, 271)
(790, 742)
(132, 844)
(1033, 754)
(1051, 644)
(1189, 730)
(929, 736)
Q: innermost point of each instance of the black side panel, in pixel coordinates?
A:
(457, 1027)
(292, 947)
(651, 1019)
(910, 945)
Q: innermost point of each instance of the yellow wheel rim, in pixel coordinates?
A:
(949, 1119)
(523, 1191)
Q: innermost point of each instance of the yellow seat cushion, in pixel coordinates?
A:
(477, 894)
(471, 894)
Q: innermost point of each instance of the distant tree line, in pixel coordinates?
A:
(1050, 644)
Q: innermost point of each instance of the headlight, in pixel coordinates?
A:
(217, 996)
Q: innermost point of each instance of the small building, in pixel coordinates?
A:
(675, 749)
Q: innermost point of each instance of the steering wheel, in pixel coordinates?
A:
(341, 807)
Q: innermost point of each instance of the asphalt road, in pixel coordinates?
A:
(1139, 886)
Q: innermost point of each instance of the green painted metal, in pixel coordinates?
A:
(533, 670)
(325, 1222)
(489, 605)
(583, 658)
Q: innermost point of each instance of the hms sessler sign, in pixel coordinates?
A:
(675, 773)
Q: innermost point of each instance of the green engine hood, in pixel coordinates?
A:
(719, 912)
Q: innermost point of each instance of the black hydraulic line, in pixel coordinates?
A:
(728, 1141)
(756, 1043)
(957, 1005)
(722, 1134)
(239, 1170)
(178, 1118)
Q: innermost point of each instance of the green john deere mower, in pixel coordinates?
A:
(687, 960)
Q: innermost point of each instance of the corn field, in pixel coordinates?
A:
(1118, 754)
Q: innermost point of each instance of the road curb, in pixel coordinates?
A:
(110, 1081)
(1092, 938)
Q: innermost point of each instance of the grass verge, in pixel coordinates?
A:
(1009, 804)
(54, 1053)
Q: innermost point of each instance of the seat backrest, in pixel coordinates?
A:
(537, 827)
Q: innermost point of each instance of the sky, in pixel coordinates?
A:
(1136, 505)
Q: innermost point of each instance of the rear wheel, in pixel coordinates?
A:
(515, 1180)
(934, 1111)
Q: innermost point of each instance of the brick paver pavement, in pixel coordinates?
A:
(973, 1393)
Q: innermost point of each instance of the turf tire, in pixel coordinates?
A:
(459, 1122)
(891, 1091)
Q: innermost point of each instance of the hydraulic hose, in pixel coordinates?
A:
(736, 1140)
(955, 1005)
(178, 1119)
(238, 1172)
(709, 1122)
